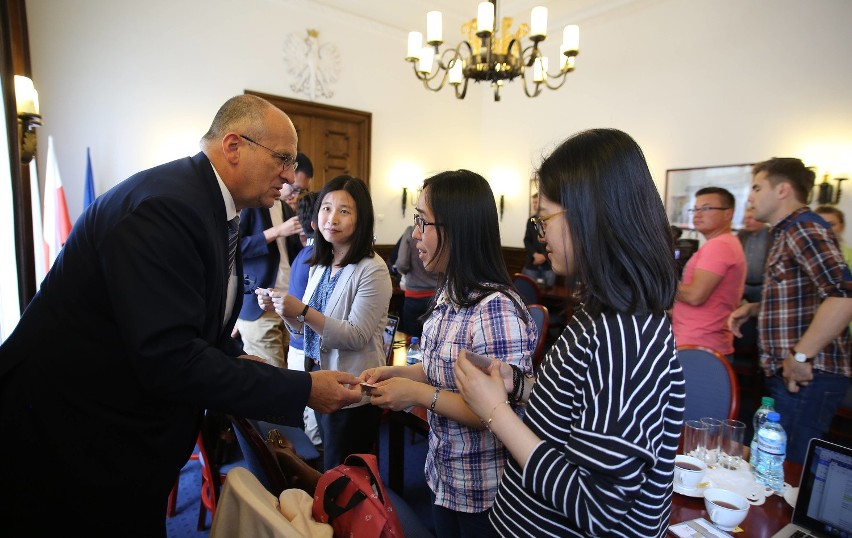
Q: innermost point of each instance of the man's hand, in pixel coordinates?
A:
(740, 316)
(796, 373)
(538, 258)
(289, 227)
(332, 390)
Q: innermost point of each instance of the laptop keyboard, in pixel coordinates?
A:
(800, 534)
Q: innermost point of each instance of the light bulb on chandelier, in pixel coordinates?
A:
(491, 55)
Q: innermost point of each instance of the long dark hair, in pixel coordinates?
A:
(466, 220)
(623, 257)
(362, 239)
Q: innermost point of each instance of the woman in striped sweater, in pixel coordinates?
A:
(594, 453)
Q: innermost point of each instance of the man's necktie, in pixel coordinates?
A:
(233, 237)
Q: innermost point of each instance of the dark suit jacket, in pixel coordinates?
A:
(114, 360)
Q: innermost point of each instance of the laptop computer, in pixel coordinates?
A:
(390, 332)
(824, 505)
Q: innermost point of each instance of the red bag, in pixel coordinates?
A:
(352, 499)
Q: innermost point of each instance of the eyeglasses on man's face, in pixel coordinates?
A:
(294, 191)
(421, 224)
(287, 161)
(704, 209)
(541, 222)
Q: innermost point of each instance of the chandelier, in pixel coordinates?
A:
(491, 55)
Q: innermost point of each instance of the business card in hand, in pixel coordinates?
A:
(367, 388)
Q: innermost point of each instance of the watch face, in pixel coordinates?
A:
(800, 357)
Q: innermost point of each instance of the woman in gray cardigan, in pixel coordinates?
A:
(343, 311)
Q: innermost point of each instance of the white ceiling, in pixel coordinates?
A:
(408, 15)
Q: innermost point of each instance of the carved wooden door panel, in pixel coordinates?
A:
(337, 140)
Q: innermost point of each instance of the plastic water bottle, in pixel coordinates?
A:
(771, 451)
(413, 354)
(767, 404)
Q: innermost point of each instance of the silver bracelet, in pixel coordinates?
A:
(434, 400)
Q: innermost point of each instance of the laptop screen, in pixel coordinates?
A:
(390, 332)
(824, 503)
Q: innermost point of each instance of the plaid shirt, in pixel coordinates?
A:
(463, 464)
(804, 267)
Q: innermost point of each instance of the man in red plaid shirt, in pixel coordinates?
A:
(806, 306)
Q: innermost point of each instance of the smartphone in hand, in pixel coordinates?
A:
(478, 360)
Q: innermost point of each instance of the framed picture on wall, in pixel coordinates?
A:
(682, 184)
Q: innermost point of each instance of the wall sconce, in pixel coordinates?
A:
(26, 98)
(406, 201)
(827, 193)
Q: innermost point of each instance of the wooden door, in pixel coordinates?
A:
(337, 140)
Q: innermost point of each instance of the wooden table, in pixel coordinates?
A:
(761, 522)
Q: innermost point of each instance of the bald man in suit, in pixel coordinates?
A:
(104, 381)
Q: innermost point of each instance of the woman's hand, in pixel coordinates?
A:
(374, 375)
(396, 393)
(286, 305)
(482, 391)
(264, 298)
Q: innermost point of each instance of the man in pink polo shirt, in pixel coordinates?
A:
(713, 279)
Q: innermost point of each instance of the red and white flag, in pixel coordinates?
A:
(57, 224)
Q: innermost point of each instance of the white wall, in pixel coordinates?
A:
(696, 82)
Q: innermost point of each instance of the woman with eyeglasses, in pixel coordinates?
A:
(343, 311)
(594, 452)
(477, 309)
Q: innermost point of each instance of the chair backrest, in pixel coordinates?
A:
(259, 459)
(712, 389)
(528, 288)
(541, 317)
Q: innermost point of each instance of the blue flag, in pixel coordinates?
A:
(89, 192)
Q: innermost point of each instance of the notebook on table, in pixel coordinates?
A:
(824, 505)
(390, 332)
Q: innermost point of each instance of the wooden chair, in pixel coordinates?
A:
(212, 477)
(541, 317)
(528, 288)
(712, 389)
(171, 507)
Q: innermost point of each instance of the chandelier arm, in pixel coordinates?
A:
(455, 55)
(532, 49)
(426, 79)
(536, 87)
(562, 74)
(463, 92)
(440, 85)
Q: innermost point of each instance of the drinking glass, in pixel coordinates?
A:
(733, 432)
(714, 440)
(694, 438)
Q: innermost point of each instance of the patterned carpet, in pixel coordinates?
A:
(417, 494)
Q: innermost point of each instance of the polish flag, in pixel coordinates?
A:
(57, 224)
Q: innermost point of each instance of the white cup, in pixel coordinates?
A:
(726, 508)
(688, 471)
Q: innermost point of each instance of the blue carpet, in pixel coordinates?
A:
(184, 523)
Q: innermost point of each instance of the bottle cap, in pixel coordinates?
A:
(767, 401)
(414, 340)
(773, 416)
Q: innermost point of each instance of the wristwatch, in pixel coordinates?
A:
(799, 356)
(301, 317)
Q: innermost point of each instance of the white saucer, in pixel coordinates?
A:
(694, 492)
(791, 494)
